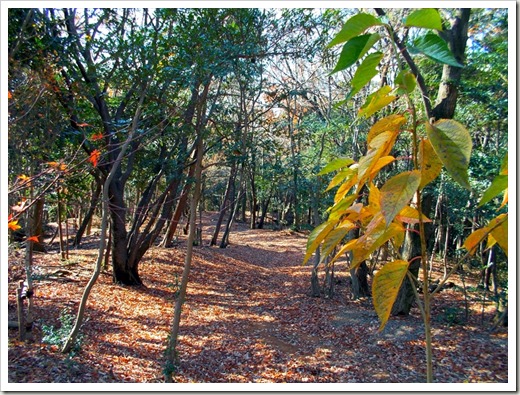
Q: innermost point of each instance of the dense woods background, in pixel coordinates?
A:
(134, 124)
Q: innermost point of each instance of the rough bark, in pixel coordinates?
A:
(456, 37)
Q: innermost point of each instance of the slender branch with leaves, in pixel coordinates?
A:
(393, 209)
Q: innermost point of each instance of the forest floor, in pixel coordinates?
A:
(248, 317)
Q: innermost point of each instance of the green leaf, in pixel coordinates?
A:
(335, 164)
(427, 18)
(430, 163)
(376, 101)
(498, 185)
(365, 72)
(397, 192)
(405, 81)
(435, 48)
(353, 27)
(385, 288)
(355, 49)
(452, 143)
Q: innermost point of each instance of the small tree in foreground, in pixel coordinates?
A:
(384, 217)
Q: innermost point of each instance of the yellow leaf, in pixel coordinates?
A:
(376, 101)
(397, 192)
(375, 238)
(316, 237)
(344, 175)
(410, 215)
(505, 200)
(474, 239)
(381, 162)
(333, 238)
(347, 247)
(391, 123)
(374, 197)
(344, 188)
(339, 207)
(498, 227)
(430, 163)
(385, 288)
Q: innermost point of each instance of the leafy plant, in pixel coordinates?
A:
(384, 216)
(57, 336)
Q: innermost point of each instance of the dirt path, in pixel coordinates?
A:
(248, 318)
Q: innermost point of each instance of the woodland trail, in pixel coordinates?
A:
(248, 317)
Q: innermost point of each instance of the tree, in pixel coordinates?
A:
(382, 220)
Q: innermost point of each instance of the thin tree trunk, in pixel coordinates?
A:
(226, 202)
(60, 229)
(265, 207)
(315, 283)
(181, 207)
(171, 352)
(85, 223)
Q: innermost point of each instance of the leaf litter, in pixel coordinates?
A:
(248, 318)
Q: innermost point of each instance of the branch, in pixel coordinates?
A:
(412, 65)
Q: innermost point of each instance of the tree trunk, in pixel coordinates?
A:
(359, 278)
(36, 224)
(265, 207)
(181, 207)
(411, 249)
(315, 283)
(456, 37)
(123, 272)
(171, 351)
(88, 216)
(225, 238)
(225, 203)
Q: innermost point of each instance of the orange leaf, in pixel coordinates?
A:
(23, 178)
(10, 95)
(58, 166)
(33, 238)
(97, 136)
(94, 157)
(81, 125)
(13, 225)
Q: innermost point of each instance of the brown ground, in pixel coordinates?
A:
(248, 318)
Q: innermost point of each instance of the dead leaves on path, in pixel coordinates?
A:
(248, 317)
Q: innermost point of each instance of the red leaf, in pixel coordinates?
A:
(33, 238)
(97, 136)
(94, 157)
